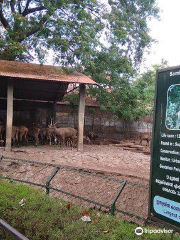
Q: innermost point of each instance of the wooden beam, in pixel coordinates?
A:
(9, 115)
(81, 111)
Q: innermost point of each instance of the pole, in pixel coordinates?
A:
(9, 119)
(81, 116)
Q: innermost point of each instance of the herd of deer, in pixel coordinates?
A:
(51, 134)
(66, 136)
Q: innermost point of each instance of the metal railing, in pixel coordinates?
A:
(12, 231)
(51, 171)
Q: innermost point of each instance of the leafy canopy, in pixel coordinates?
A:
(104, 39)
(145, 88)
(75, 30)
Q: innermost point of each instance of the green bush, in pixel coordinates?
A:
(44, 218)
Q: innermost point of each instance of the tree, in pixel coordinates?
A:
(114, 66)
(145, 88)
(73, 29)
(103, 40)
(60, 25)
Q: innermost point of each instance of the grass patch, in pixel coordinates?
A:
(44, 218)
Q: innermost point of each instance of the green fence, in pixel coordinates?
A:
(88, 186)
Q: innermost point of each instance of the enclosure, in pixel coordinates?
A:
(97, 174)
(27, 82)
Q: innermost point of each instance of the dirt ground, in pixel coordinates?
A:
(102, 163)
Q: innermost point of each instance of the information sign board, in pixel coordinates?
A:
(164, 201)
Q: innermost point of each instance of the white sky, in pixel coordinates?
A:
(167, 33)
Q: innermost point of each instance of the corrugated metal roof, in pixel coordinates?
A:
(41, 72)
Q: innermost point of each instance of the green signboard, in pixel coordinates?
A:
(164, 205)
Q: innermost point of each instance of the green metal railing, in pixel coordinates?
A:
(58, 168)
(12, 231)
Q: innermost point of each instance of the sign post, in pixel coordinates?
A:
(164, 200)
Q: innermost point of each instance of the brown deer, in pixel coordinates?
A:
(145, 136)
(64, 134)
(33, 132)
(15, 131)
(23, 131)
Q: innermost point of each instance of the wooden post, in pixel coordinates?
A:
(9, 115)
(81, 111)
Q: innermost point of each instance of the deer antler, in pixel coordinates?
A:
(56, 122)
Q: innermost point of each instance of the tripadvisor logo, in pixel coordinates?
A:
(174, 73)
(139, 231)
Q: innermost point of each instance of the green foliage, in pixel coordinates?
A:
(73, 100)
(119, 94)
(145, 88)
(120, 100)
(75, 30)
(67, 27)
(43, 218)
(104, 40)
(173, 107)
(112, 72)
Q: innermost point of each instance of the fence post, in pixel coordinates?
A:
(1, 158)
(112, 206)
(50, 179)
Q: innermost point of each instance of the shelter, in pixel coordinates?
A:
(27, 81)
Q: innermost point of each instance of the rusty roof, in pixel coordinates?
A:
(41, 72)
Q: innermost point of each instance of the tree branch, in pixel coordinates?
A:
(32, 10)
(19, 6)
(2, 18)
(27, 4)
(12, 6)
(34, 30)
(64, 12)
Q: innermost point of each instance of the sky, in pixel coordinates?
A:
(167, 33)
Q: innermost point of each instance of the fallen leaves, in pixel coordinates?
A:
(69, 205)
(22, 202)
(86, 219)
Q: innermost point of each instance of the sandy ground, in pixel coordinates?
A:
(102, 163)
(99, 157)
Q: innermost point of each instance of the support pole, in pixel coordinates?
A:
(9, 115)
(81, 111)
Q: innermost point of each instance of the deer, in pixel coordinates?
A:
(145, 136)
(64, 133)
(15, 131)
(33, 132)
(23, 131)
